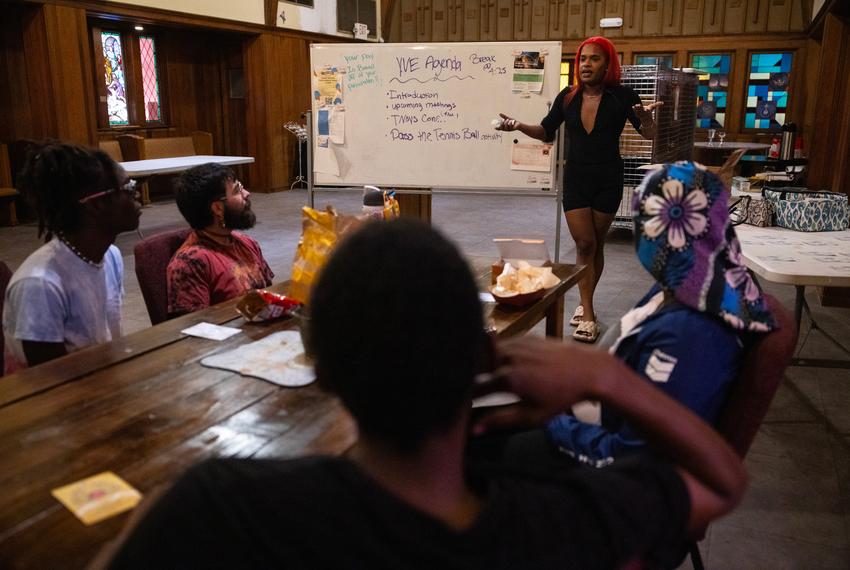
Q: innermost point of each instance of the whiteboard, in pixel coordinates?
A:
(420, 115)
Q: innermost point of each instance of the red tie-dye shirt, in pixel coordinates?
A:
(204, 272)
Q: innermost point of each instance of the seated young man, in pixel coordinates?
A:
(215, 263)
(397, 333)
(67, 294)
(687, 334)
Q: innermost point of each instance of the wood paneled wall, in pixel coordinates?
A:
(196, 94)
(830, 149)
(15, 110)
(46, 90)
(277, 76)
(506, 20)
(47, 86)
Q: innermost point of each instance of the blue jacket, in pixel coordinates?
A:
(691, 356)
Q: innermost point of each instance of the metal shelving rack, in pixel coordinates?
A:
(676, 120)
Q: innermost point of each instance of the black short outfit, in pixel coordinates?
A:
(594, 173)
(324, 512)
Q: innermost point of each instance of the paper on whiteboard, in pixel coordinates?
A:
(536, 157)
(326, 161)
(329, 87)
(323, 129)
(337, 125)
(528, 72)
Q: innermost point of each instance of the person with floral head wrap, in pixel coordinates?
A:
(594, 111)
(687, 335)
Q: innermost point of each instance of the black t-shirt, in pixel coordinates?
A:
(324, 512)
(602, 144)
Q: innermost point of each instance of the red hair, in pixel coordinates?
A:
(612, 75)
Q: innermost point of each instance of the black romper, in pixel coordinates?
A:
(594, 172)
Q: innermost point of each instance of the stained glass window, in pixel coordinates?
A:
(712, 88)
(767, 90)
(566, 73)
(654, 59)
(113, 66)
(150, 80)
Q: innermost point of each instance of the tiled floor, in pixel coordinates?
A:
(797, 511)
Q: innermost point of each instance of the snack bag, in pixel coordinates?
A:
(319, 234)
(262, 305)
(391, 208)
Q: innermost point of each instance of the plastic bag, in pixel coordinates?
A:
(320, 232)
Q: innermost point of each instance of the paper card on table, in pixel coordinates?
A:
(211, 331)
(98, 497)
(531, 156)
(337, 125)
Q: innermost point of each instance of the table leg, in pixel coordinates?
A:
(555, 319)
(800, 305)
(799, 299)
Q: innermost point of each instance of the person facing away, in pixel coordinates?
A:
(215, 263)
(687, 335)
(594, 111)
(397, 334)
(67, 294)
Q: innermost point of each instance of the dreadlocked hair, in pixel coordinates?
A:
(56, 175)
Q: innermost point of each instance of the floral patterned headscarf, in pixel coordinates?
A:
(686, 241)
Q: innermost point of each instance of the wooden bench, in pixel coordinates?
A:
(8, 194)
(134, 147)
(112, 148)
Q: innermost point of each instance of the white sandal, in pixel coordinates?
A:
(587, 331)
(577, 315)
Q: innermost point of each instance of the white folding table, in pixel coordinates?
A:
(175, 164)
(800, 259)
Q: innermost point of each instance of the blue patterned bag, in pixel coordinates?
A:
(808, 211)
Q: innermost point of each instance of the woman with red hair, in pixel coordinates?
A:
(595, 110)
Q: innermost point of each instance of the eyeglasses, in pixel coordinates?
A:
(129, 188)
(238, 190)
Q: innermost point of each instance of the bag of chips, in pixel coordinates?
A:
(320, 232)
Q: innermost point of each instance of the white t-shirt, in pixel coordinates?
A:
(55, 296)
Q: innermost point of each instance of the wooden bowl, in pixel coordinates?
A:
(520, 300)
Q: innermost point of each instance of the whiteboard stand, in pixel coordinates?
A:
(310, 198)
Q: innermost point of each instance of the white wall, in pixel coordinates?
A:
(321, 18)
(240, 10)
(816, 6)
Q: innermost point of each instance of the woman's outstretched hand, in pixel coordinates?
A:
(645, 113)
(508, 124)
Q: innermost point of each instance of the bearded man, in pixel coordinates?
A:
(215, 263)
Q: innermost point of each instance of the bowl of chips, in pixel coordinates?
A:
(522, 285)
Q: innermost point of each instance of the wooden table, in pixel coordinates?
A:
(144, 407)
(800, 259)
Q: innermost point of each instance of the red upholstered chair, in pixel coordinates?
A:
(152, 257)
(5, 276)
(758, 380)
